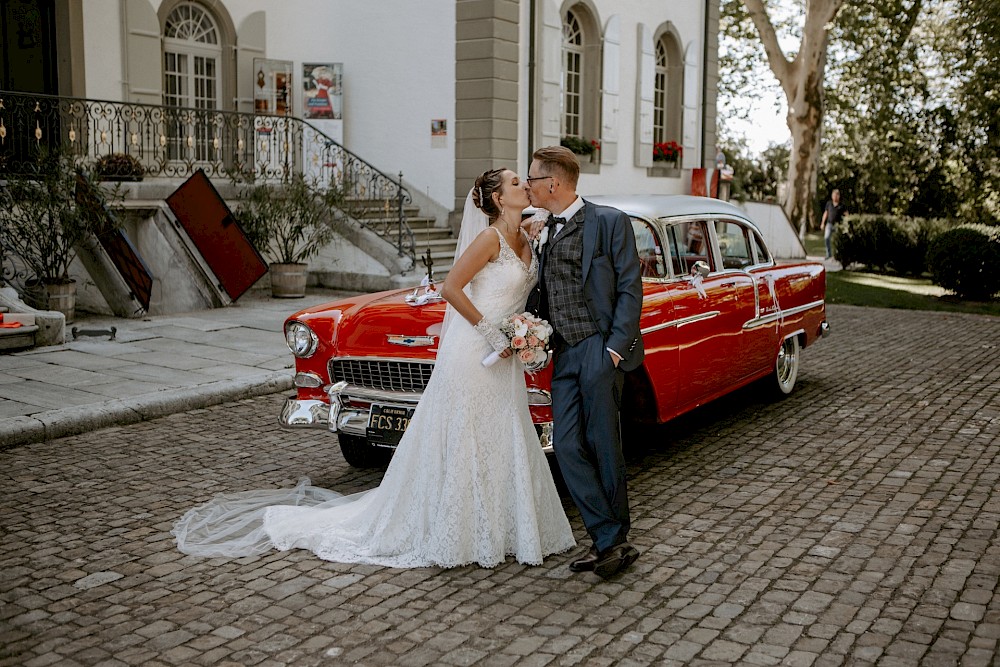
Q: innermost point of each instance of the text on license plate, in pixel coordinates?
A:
(387, 423)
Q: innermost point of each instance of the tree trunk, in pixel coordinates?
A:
(801, 80)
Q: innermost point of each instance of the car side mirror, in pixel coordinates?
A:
(701, 268)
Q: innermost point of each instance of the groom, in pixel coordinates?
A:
(590, 290)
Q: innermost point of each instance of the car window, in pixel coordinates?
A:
(649, 249)
(763, 256)
(688, 242)
(734, 245)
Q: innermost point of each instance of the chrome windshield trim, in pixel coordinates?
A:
(682, 321)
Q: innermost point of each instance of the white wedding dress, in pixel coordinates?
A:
(468, 482)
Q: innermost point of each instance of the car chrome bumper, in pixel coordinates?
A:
(336, 416)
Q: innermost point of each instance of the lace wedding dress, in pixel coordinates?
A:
(467, 484)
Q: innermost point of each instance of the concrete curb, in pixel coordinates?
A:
(61, 422)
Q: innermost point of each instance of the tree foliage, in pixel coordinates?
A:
(911, 104)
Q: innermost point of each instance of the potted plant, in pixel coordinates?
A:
(119, 167)
(581, 146)
(287, 223)
(667, 151)
(45, 214)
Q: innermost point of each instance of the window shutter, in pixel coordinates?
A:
(251, 42)
(691, 119)
(644, 101)
(609, 96)
(143, 54)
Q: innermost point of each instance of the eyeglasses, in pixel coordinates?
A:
(532, 179)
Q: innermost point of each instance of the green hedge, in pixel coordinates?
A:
(886, 243)
(966, 260)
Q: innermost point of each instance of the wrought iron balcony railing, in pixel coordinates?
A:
(177, 141)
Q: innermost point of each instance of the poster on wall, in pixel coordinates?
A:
(323, 91)
(272, 90)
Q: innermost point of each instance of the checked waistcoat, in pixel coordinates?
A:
(563, 276)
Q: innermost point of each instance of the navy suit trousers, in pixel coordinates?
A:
(586, 396)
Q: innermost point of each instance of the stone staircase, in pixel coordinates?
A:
(425, 237)
(373, 230)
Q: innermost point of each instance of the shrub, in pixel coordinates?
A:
(118, 165)
(886, 243)
(966, 260)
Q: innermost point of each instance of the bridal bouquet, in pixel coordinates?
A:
(529, 339)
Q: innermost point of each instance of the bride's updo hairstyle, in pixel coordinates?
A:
(482, 194)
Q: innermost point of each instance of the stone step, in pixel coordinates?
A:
(20, 338)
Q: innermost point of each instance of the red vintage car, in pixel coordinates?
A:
(718, 313)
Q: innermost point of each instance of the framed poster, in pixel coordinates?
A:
(272, 90)
(323, 91)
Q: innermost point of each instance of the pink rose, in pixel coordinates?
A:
(533, 341)
(518, 342)
(527, 356)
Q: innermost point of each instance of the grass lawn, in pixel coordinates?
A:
(859, 288)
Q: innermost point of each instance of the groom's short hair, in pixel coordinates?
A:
(560, 160)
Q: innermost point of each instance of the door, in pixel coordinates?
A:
(191, 80)
(708, 314)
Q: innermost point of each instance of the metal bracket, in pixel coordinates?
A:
(94, 332)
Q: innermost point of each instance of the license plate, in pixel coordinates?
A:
(387, 423)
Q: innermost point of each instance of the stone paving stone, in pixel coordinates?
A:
(854, 522)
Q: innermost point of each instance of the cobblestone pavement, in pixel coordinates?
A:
(855, 522)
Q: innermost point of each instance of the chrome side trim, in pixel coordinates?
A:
(682, 321)
(800, 309)
(781, 314)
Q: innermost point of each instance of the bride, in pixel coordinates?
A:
(468, 482)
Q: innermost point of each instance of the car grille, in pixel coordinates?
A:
(384, 375)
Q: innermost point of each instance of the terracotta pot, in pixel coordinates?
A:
(288, 281)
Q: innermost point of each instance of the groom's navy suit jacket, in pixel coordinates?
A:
(612, 281)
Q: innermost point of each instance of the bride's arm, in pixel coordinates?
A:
(480, 252)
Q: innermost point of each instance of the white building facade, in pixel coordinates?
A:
(439, 90)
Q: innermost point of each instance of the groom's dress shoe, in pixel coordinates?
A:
(585, 563)
(615, 560)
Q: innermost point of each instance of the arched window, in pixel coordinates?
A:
(192, 55)
(668, 89)
(580, 120)
(572, 75)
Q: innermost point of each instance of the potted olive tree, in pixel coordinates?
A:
(287, 223)
(44, 215)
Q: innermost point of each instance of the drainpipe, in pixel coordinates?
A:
(531, 82)
(704, 84)
(123, 24)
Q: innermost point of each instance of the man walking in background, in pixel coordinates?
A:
(832, 214)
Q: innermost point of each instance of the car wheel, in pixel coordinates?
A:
(359, 454)
(786, 368)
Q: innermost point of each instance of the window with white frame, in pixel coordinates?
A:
(191, 78)
(660, 94)
(668, 91)
(572, 76)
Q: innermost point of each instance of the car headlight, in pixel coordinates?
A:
(300, 339)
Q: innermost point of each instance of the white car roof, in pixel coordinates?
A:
(665, 206)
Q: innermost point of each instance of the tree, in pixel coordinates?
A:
(801, 80)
